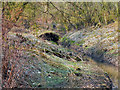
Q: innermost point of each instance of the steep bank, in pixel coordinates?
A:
(100, 44)
(43, 64)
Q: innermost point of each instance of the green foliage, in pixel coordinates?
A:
(80, 43)
(66, 42)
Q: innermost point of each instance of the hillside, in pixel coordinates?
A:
(43, 64)
(100, 44)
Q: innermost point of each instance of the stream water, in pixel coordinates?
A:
(111, 70)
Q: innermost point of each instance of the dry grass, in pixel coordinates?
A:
(11, 62)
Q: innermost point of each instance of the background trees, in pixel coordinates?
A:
(69, 15)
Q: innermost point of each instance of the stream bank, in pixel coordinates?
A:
(101, 45)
